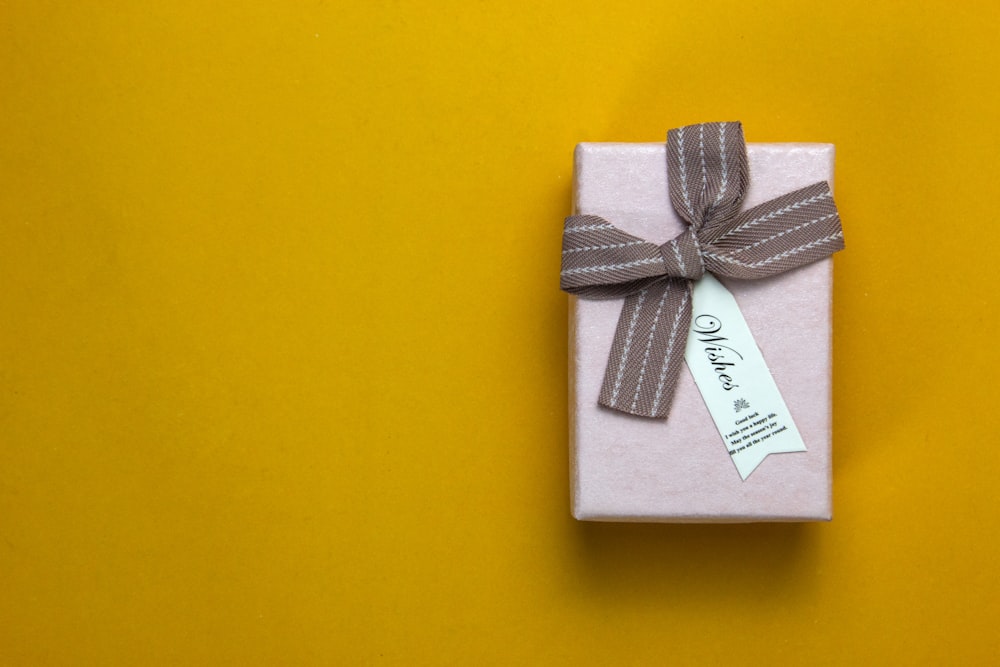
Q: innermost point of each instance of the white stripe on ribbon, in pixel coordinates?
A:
(779, 256)
(775, 214)
(603, 247)
(670, 351)
(787, 231)
(649, 346)
(610, 267)
(587, 228)
(628, 343)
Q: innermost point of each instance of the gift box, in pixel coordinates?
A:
(633, 468)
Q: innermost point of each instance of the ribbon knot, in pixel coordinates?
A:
(707, 177)
(682, 257)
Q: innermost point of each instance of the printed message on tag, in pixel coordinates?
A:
(734, 380)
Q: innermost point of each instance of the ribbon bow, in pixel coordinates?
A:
(707, 177)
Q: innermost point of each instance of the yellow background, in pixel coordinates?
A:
(283, 355)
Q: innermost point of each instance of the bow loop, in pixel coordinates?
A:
(601, 261)
(707, 171)
(786, 232)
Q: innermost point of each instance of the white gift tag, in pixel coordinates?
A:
(734, 380)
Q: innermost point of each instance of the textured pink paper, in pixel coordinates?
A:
(627, 468)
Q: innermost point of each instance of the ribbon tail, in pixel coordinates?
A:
(648, 350)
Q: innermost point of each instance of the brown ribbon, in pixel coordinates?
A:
(707, 176)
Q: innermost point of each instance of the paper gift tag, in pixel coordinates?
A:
(734, 380)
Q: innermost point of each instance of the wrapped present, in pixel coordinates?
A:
(655, 228)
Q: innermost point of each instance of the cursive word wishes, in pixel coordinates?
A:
(723, 358)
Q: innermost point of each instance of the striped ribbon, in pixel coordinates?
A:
(707, 177)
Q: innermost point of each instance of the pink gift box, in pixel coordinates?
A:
(628, 468)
